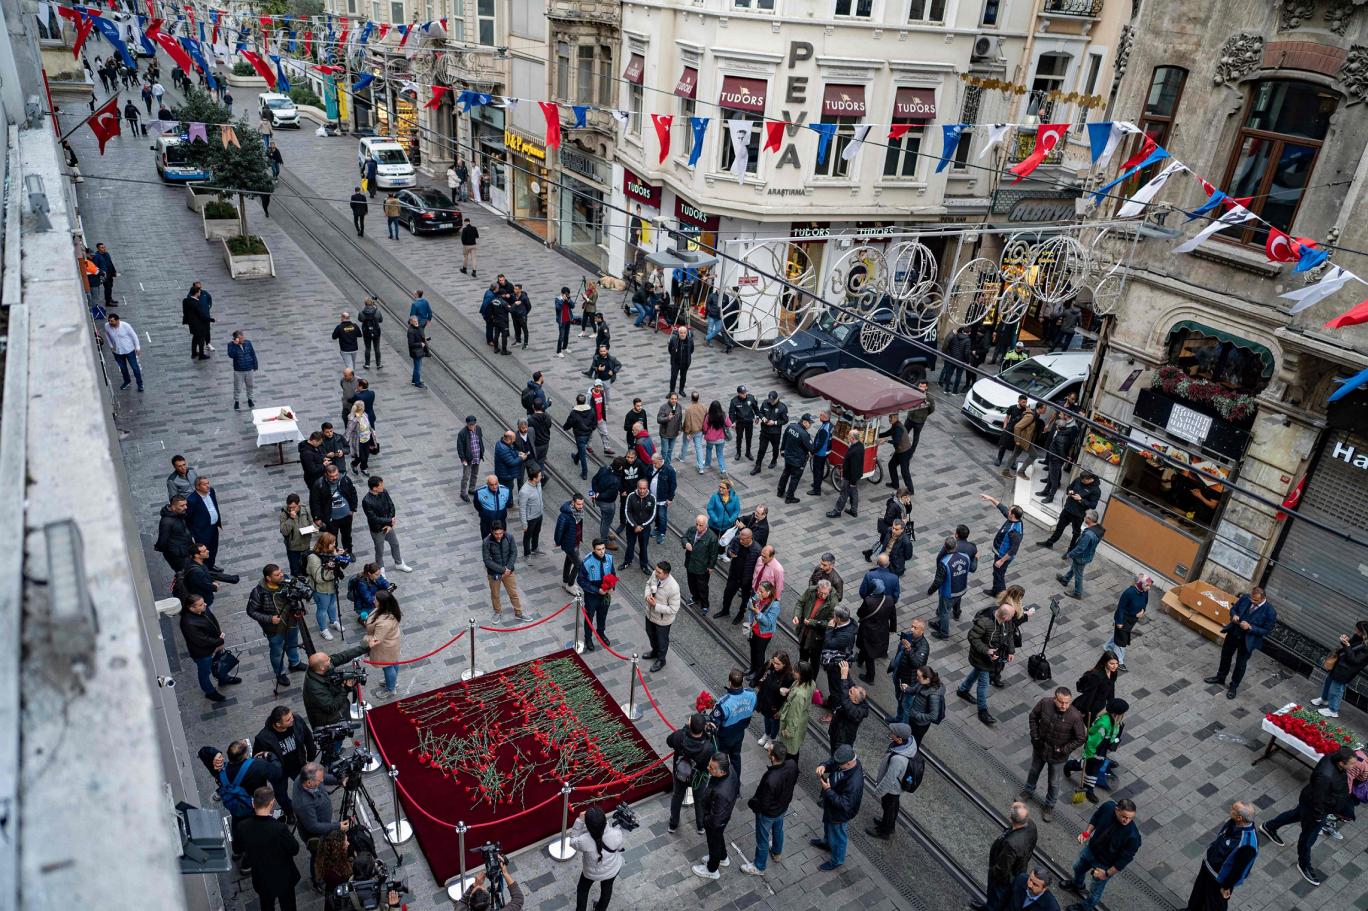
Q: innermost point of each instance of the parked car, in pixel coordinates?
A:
(393, 168)
(278, 110)
(829, 344)
(173, 161)
(1044, 378)
(426, 209)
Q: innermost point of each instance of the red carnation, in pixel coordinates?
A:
(610, 581)
(704, 702)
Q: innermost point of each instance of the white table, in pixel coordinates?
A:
(272, 429)
(1278, 739)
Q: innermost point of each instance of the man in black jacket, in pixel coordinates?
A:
(1058, 453)
(1081, 496)
(681, 350)
(639, 511)
(771, 801)
(289, 739)
(742, 413)
(196, 579)
(348, 337)
(796, 446)
(379, 509)
(270, 849)
(743, 552)
(842, 781)
(174, 541)
(1324, 793)
(358, 209)
(311, 458)
(773, 415)
(852, 470)
(470, 449)
(848, 708)
(204, 640)
(580, 423)
(1009, 856)
(694, 744)
(719, 798)
(418, 349)
(332, 500)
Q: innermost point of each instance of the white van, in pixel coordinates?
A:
(173, 160)
(1045, 378)
(278, 110)
(392, 167)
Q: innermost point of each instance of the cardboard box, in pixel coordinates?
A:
(1201, 606)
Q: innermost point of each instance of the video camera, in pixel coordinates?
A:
(337, 564)
(329, 735)
(346, 675)
(624, 818)
(348, 768)
(367, 894)
(294, 594)
(494, 879)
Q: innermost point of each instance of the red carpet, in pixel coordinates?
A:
(493, 752)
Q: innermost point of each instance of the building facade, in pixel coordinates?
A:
(1204, 360)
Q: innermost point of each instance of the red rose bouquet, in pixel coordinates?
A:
(1313, 729)
(704, 702)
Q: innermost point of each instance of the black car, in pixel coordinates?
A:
(829, 344)
(426, 209)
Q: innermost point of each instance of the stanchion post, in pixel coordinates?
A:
(471, 672)
(359, 706)
(560, 848)
(577, 625)
(374, 762)
(456, 886)
(399, 831)
(630, 708)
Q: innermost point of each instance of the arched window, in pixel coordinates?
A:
(1284, 125)
(1156, 120)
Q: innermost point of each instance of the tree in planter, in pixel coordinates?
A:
(241, 169)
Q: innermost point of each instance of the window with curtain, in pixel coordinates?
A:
(1088, 88)
(1284, 125)
(484, 19)
(606, 92)
(634, 104)
(584, 74)
(901, 156)
(688, 107)
(992, 11)
(753, 147)
(1049, 77)
(926, 11)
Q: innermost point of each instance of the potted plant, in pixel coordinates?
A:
(239, 168)
(220, 219)
(244, 74)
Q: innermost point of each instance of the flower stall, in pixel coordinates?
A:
(1304, 732)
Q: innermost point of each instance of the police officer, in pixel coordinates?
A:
(796, 446)
(773, 416)
(950, 584)
(742, 413)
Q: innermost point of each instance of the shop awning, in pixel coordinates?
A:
(843, 101)
(914, 104)
(866, 392)
(1265, 356)
(687, 86)
(680, 259)
(636, 67)
(743, 94)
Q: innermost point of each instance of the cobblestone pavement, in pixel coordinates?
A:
(1178, 725)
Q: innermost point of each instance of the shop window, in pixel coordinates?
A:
(688, 107)
(754, 148)
(835, 165)
(932, 11)
(1275, 152)
(484, 22)
(1237, 365)
(584, 74)
(969, 114)
(900, 158)
(1191, 495)
(858, 9)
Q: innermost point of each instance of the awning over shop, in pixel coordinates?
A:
(687, 86)
(843, 101)
(635, 68)
(1264, 355)
(740, 94)
(914, 104)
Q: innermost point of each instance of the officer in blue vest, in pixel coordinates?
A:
(1006, 543)
(821, 448)
(597, 565)
(1228, 860)
(1251, 619)
(950, 584)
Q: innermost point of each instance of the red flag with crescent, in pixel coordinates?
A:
(82, 33)
(104, 123)
(1279, 247)
(551, 113)
(170, 45)
(1147, 149)
(262, 70)
(438, 92)
(774, 135)
(1048, 135)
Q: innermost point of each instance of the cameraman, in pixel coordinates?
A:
(366, 870)
(477, 897)
(268, 607)
(325, 693)
(600, 848)
(290, 740)
(324, 571)
(313, 804)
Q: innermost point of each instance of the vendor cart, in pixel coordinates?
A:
(860, 397)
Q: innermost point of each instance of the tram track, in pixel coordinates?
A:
(979, 808)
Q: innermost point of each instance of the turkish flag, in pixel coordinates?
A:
(1048, 135)
(264, 71)
(774, 135)
(1293, 498)
(552, 114)
(82, 33)
(1146, 150)
(437, 92)
(662, 124)
(104, 123)
(1351, 317)
(1279, 247)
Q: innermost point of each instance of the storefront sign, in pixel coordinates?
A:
(749, 281)
(583, 164)
(633, 187)
(877, 230)
(1349, 454)
(689, 214)
(785, 191)
(687, 86)
(1186, 424)
(843, 101)
(810, 230)
(1030, 210)
(740, 94)
(525, 147)
(914, 104)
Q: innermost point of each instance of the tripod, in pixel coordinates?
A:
(352, 786)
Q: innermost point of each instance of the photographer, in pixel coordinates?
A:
(296, 524)
(326, 693)
(600, 848)
(290, 740)
(332, 499)
(313, 804)
(363, 587)
(325, 569)
(477, 897)
(382, 638)
(367, 887)
(238, 776)
(268, 607)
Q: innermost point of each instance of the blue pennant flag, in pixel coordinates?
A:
(110, 30)
(192, 48)
(282, 84)
(242, 38)
(1212, 203)
(581, 114)
(366, 33)
(1309, 257)
(950, 133)
(1349, 385)
(146, 42)
(699, 125)
(824, 133)
(291, 44)
(1158, 155)
(362, 83)
(468, 99)
(201, 32)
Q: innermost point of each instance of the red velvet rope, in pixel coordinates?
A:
(420, 657)
(514, 629)
(589, 622)
(647, 689)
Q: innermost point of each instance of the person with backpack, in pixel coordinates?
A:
(204, 642)
(238, 774)
(371, 318)
(769, 804)
(900, 772)
(693, 746)
(1103, 736)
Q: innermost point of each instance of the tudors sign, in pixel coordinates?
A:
(689, 214)
(633, 187)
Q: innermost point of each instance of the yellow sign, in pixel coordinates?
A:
(526, 147)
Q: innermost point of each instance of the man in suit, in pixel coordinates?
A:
(205, 520)
(269, 850)
(1031, 891)
(1251, 619)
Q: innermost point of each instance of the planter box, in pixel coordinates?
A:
(219, 228)
(245, 80)
(318, 115)
(195, 201)
(262, 266)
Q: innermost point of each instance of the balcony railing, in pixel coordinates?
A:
(1024, 142)
(603, 12)
(1088, 9)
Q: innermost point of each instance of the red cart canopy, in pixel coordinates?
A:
(866, 392)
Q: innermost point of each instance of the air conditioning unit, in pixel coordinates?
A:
(987, 47)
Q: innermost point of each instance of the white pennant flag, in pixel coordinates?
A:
(408, 85)
(1119, 128)
(853, 147)
(510, 103)
(1237, 215)
(621, 116)
(1136, 204)
(1311, 295)
(996, 133)
(740, 130)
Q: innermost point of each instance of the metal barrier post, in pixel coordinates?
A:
(357, 710)
(374, 762)
(560, 848)
(399, 831)
(577, 622)
(456, 886)
(471, 672)
(630, 708)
